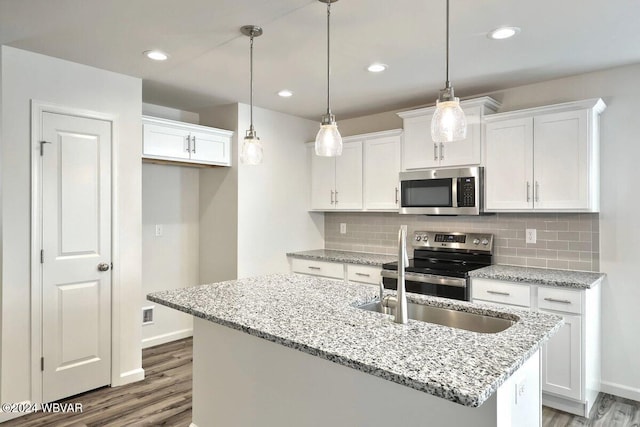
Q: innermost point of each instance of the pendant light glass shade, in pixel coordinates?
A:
(251, 152)
(328, 139)
(449, 122)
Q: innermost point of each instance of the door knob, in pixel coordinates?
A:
(103, 266)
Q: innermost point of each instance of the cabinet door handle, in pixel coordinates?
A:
(435, 151)
(332, 202)
(499, 293)
(441, 151)
(561, 301)
(396, 195)
(314, 268)
(528, 191)
(336, 197)
(188, 144)
(536, 192)
(193, 138)
(363, 274)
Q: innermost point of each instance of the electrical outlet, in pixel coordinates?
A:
(343, 228)
(531, 235)
(520, 390)
(147, 315)
(158, 230)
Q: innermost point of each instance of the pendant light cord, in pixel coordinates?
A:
(251, 84)
(328, 59)
(448, 84)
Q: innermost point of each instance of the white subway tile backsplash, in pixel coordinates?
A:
(564, 241)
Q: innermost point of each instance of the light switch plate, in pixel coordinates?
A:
(343, 228)
(158, 230)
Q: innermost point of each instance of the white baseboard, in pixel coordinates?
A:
(129, 377)
(620, 390)
(168, 337)
(192, 425)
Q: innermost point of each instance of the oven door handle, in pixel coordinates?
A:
(427, 278)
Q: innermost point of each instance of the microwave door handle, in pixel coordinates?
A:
(441, 151)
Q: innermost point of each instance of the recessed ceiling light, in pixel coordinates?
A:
(285, 93)
(503, 33)
(156, 55)
(377, 67)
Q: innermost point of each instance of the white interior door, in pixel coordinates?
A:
(76, 239)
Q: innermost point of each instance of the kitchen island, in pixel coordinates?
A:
(290, 349)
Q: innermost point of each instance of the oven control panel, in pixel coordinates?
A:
(453, 240)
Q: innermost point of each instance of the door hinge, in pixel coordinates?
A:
(42, 146)
(41, 256)
(111, 266)
(42, 364)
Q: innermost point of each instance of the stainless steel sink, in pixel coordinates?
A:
(442, 316)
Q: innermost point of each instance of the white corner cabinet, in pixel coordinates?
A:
(419, 151)
(184, 143)
(544, 159)
(363, 178)
(369, 274)
(571, 358)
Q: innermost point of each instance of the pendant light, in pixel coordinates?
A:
(251, 153)
(328, 139)
(449, 122)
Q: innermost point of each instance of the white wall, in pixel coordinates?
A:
(219, 205)
(170, 261)
(619, 226)
(273, 203)
(26, 76)
(252, 215)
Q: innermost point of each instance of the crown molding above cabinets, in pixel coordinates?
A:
(172, 142)
(420, 152)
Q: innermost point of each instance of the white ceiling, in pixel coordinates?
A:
(209, 62)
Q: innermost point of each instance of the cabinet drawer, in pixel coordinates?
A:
(558, 299)
(501, 292)
(363, 273)
(318, 268)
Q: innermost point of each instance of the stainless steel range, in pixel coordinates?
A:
(441, 263)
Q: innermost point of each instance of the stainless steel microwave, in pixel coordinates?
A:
(442, 191)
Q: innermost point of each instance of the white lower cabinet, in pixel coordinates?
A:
(317, 268)
(561, 359)
(336, 270)
(363, 273)
(570, 360)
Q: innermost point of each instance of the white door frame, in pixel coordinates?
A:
(37, 109)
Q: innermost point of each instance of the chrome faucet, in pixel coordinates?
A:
(403, 261)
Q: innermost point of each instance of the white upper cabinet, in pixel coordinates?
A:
(381, 170)
(419, 151)
(364, 177)
(544, 159)
(336, 182)
(169, 140)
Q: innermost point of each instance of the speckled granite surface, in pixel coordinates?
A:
(319, 317)
(363, 258)
(539, 276)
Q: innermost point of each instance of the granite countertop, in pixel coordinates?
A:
(539, 276)
(331, 255)
(319, 316)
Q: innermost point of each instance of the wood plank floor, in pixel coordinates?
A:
(164, 399)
